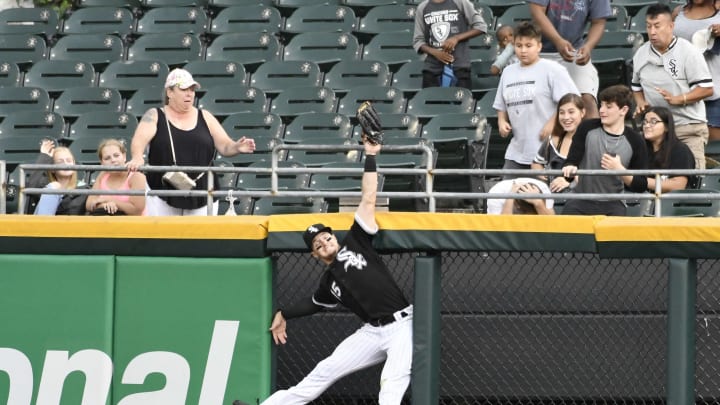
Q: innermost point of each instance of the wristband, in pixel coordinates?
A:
(370, 164)
(569, 179)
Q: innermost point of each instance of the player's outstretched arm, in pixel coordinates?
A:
(278, 328)
(366, 209)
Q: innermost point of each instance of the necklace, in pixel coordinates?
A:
(611, 147)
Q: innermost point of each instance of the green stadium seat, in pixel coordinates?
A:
(635, 7)
(264, 145)
(323, 47)
(30, 20)
(321, 18)
(314, 125)
(386, 100)
(15, 150)
(143, 99)
(483, 48)
(289, 205)
(10, 75)
(129, 76)
(619, 19)
(34, 124)
(274, 76)
(189, 20)
(251, 49)
(481, 78)
(613, 54)
(14, 99)
(300, 100)
(345, 75)
(315, 158)
(100, 20)
(498, 7)
(85, 151)
(263, 181)
(58, 75)
(226, 100)
(286, 7)
(711, 181)
(224, 180)
(400, 125)
(133, 5)
(433, 101)
(393, 48)
(634, 208)
(248, 18)
(76, 101)
(216, 5)
(409, 77)
(97, 49)
(513, 15)
(216, 73)
(23, 49)
(487, 14)
(172, 48)
(174, 3)
(103, 125)
(333, 182)
(683, 207)
(390, 17)
(254, 125)
(363, 7)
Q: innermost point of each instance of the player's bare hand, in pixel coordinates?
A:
(245, 145)
(133, 164)
(278, 329)
(505, 128)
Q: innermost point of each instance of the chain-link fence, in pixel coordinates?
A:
(521, 327)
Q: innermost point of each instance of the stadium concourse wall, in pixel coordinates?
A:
(175, 310)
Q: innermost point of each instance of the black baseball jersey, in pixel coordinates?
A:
(359, 279)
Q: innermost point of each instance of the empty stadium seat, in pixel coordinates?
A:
(58, 75)
(249, 18)
(10, 74)
(612, 56)
(674, 206)
(634, 7)
(251, 49)
(100, 20)
(286, 7)
(104, 124)
(129, 76)
(263, 181)
(314, 125)
(481, 78)
(23, 49)
(172, 48)
(323, 47)
(513, 15)
(401, 125)
(322, 157)
(15, 150)
(264, 145)
(14, 99)
(387, 100)
(393, 48)
(637, 15)
(85, 151)
(433, 101)
(173, 20)
(345, 75)
(274, 76)
(618, 20)
(711, 181)
(226, 100)
(289, 205)
(387, 18)
(409, 77)
(300, 100)
(216, 73)
(97, 49)
(320, 18)
(222, 4)
(483, 48)
(29, 20)
(34, 124)
(134, 5)
(174, 3)
(254, 125)
(487, 14)
(499, 7)
(143, 99)
(76, 101)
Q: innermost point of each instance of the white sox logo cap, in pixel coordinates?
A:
(312, 231)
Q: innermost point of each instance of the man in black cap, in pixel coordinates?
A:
(356, 277)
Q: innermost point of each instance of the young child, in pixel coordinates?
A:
(527, 96)
(606, 143)
(507, 56)
(442, 28)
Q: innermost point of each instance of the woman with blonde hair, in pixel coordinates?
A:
(112, 152)
(56, 204)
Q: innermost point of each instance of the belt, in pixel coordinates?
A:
(388, 319)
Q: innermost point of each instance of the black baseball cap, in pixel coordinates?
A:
(312, 231)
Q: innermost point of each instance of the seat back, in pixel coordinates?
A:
(637, 13)
(143, 99)
(100, 20)
(289, 205)
(322, 157)
(401, 125)
(216, 73)
(321, 18)
(513, 15)
(386, 100)
(79, 100)
(684, 207)
(14, 99)
(85, 151)
(483, 48)
(409, 77)
(393, 48)
(274, 76)
(129, 76)
(434, 101)
(29, 20)
(618, 20)
(264, 144)
(104, 124)
(249, 18)
(300, 100)
(172, 48)
(23, 49)
(481, 78)
(58, 75)
(460, 140)
(388, 18)
(37, 125)
(134, 5)
(251, 49)
(263, 181)
(318, 125)
(10, 75)
(345, 75)
(97, 49)
(613, 54)
(253, 125)
(173, 20)
(175, 3)
(286, 7)
(226, 100)
(711, 181)
(323, 47)
(15, 150)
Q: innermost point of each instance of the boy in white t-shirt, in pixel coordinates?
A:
(527, 97)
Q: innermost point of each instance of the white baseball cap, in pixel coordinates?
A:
(703, 39)
(180, 78)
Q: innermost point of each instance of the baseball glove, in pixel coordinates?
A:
(370, 123)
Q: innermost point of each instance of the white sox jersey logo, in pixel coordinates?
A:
(335, 290)
(350, 258)
(440, 31)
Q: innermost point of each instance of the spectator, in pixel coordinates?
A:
(520, 206)
(527, 89)
(181, 134)
(665, 150)
(702, 16)
(112, 152)
(442, 30)
(563, 24)
(56, 204)
(507, 56)
(670, 72)
(554, 149)
(606, 143)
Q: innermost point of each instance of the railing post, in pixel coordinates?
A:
(3, 187)
(681, 332)
(426, 331)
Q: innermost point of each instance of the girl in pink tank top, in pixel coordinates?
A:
(112, 152)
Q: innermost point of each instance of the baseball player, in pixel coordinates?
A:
(356, 277)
